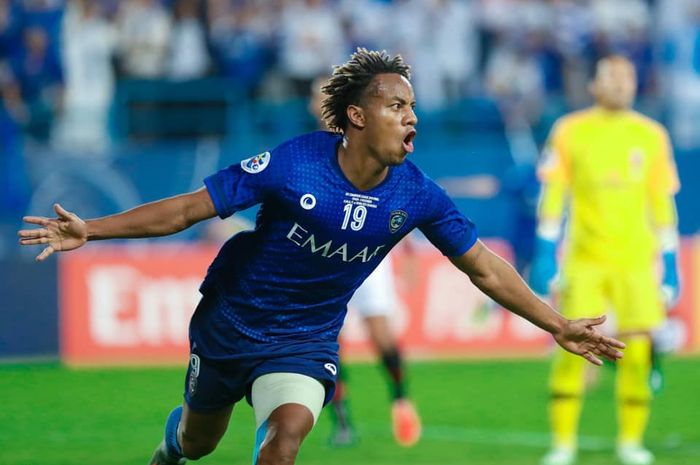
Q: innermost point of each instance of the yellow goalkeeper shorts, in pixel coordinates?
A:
(632, 294)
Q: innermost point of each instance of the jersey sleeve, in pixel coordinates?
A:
(444, 225)
(664, 178)
(247, 183)
(554, 172)
(663, 183)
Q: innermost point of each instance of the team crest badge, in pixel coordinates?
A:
(257, 163)
(637, 163)
(397, 220)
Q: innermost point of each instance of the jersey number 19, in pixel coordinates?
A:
(358, 214)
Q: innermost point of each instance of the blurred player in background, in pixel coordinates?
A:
(332, 206)
(375, 300)
(615, 168)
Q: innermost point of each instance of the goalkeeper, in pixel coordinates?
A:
(613, 168)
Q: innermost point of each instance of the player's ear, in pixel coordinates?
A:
(356, 116)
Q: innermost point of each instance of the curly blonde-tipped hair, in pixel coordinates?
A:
(347, 84)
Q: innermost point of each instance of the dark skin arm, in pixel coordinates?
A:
(159, 218)
(497, 279)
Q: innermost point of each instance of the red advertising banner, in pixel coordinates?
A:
(126, 304)
(442, 314)
(688, 310)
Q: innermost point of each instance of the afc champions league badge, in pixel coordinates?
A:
(257, 163)
(194, 374)
(396, 220)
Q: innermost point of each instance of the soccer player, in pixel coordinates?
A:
(375, 300)
(614, 167)
(274, 299)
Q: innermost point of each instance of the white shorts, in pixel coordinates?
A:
(377, 295)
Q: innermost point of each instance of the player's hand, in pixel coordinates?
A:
(580, 337)
(67, 232)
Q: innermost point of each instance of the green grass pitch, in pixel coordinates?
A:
(476, 412)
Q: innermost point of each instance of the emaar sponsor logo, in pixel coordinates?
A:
(304, 239)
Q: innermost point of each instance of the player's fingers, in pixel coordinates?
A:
(62, 212)
(41, 240)
(592, 358)
(40, 220)
(32, 233)
(612, 342)
(595, 321)
(607, 352)
(45, 253)
(612, 354)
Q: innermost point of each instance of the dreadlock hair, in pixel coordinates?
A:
(347, 84)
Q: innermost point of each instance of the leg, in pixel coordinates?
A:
(638, 304)
(634, 399)
(583, 294)
(200, 433)
(286, 407)
(190, 434)
(566, 387)
(194, 429)
(384, 341)
(285, 429)
(406, 423)
(343, 433)
(375, 301)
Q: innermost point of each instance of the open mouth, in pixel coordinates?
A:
(408, 141)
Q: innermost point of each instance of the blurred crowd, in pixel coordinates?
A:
(59, 60)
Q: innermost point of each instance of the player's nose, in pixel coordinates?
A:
(411, 118)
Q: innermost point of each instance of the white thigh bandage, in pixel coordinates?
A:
(275, 389)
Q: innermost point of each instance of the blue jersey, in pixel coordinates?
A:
(317, 237)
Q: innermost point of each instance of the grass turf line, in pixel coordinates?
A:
(491, 412)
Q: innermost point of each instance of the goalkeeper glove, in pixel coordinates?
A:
(544, 266)
(670, 283)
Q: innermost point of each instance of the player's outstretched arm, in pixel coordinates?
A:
(160, 218)
(497, 279)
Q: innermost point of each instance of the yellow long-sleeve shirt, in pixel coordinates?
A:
(616, 171)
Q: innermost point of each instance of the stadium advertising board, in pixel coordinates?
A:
(442, 314)
(125, 304)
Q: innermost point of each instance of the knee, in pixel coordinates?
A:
(567, 376)
(195, 447)
(634, 370)
(281, 449)
(633, 389)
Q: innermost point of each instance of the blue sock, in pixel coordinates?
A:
(171, 444)
(259, 438)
